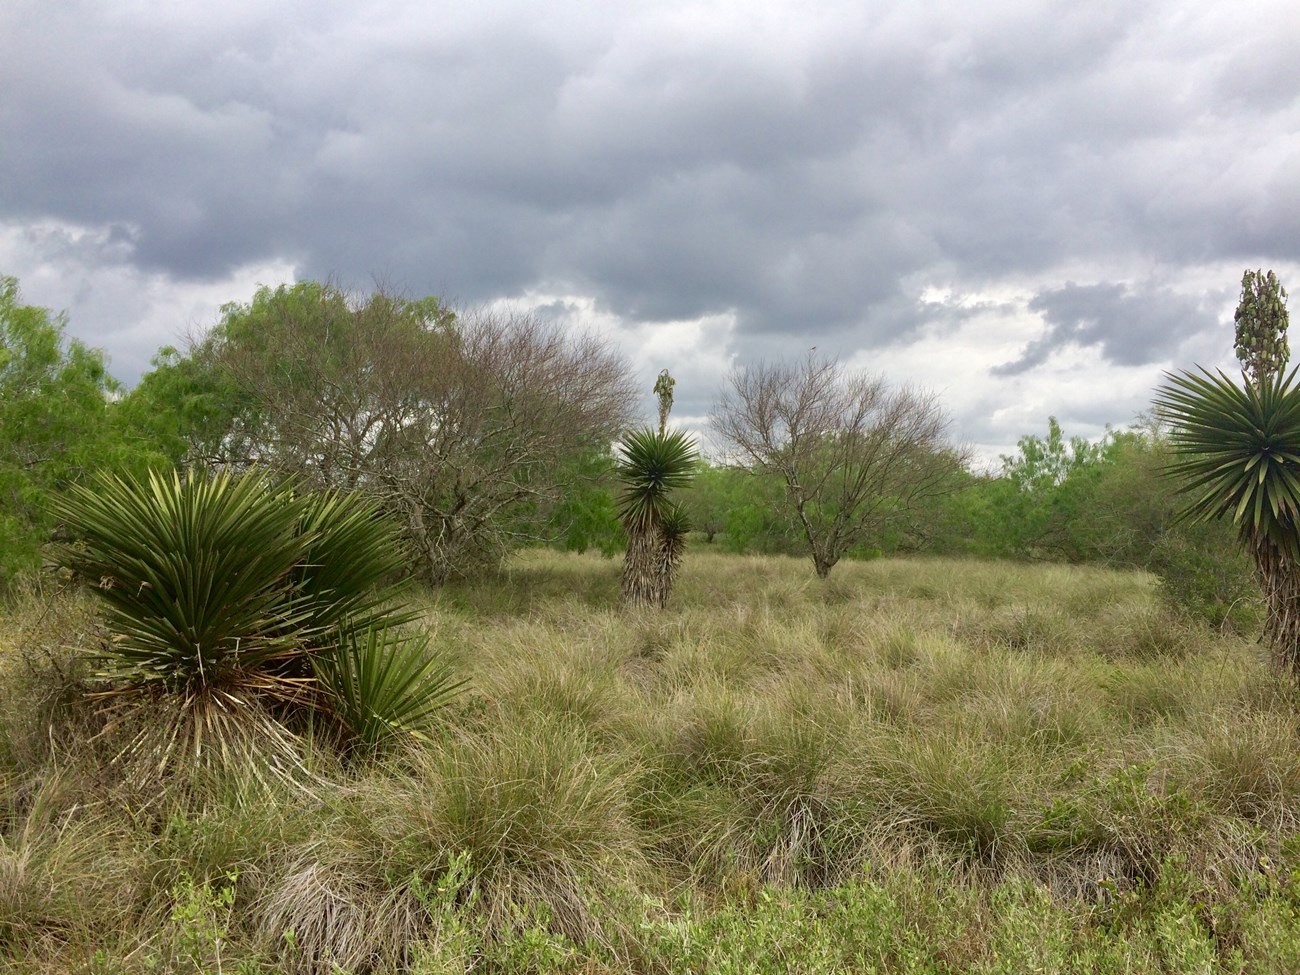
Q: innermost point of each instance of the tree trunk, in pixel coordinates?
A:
(1279, 578)
(669, 558)
(641, 569)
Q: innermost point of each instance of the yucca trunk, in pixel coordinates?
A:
(668, 560)
(642, 568)
(1279, 580)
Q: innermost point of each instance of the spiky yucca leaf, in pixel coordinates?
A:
(382, 683)
(194, 571)
(675, 523)
(651, 465)
(1238, 445)
(354, 565)
(206, 729)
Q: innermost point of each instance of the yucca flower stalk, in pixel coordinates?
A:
(1238, 449)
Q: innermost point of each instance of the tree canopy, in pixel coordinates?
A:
(56, 424)
(457, 424)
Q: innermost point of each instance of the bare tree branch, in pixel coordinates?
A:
(853, 453)
(456, 423)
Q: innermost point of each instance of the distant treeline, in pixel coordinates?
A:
(481, 433)
(1056, 499)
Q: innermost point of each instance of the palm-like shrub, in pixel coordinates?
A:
(1238, 448)
(195, 575)
(222, 592)
(354, 567)
(651, 465)
(382, 683)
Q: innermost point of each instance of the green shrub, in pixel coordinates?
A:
(1205, 576)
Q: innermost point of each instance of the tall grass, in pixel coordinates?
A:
(918, 765)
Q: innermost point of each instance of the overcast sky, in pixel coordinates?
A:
(1031, 208)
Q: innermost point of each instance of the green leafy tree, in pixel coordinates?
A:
(1105, 502)
(740, 510)
(1042, 498)
(56, 425)
(195, 414)
(854, 455)
(1045, 463)
(464, 428)
(709, 500)
(584, 516)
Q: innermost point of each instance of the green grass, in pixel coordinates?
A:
(916, 766)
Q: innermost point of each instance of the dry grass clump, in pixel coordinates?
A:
(67, 872)
(1247, 766)
(45, 639)
(330, 909)
(757, 788)
(541, 813)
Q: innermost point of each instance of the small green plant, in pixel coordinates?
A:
(381, 683)
(453, 941)
(198, 928)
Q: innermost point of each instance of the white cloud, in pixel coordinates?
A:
(112, 304)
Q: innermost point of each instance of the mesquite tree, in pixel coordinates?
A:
(460, 425)
(853, 453)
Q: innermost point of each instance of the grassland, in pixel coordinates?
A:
(916, 766)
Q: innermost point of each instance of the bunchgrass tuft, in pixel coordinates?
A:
(541, 814)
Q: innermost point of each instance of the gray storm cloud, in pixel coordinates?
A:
(809, 171)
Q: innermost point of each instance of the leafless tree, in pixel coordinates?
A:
(458, 423)
(853, 453)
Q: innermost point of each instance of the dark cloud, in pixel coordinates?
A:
(808, 170)
(1131, 327)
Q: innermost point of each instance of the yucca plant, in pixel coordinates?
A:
(673, 528)
(195, 573)
(651, 465)
(221, 591)
(1238, 449)
(354, 569)
(382, 683)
